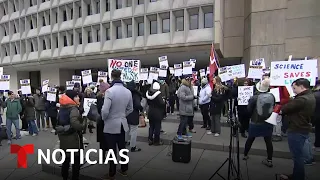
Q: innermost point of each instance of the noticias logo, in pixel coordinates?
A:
(23, 151)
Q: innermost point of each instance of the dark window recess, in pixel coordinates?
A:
(14, 8)
(71, 40)
(119, 32)
(31, 46)
(80, 12)
(98, 7)
(5, 33)
(6, 52)
(31, 25)
(180, 24)
(140, 29)
(43, 21)
(107, 5)
(98, 35)
(80, 38)
(107, 34)
(89, 37)
(119, 4)
(140, 2)
(166, 25)
(65, 41)
(65, 15)
(31, 3)
(153, 27)
(56, 17)
(71, 13)
(57, 42)
(194, 24)
(14, 28)
(208, 20)
(15, 50)
(44, 45)
(89, 9)
(129, 30)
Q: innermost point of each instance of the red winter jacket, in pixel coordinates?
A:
(284, 97)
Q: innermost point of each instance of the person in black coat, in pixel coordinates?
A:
(52, 112)
(133, 118)
(155, 113)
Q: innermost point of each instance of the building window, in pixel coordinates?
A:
(43, 21)
(80, 12)
(31, 46)
(80, 38)
(71, 40)
(71, 13)
(65, 41)
(208, 20)
(140, 29)
(6, 52)
(31, 25)
(64, 15)
(14, 7)
(129, 3)
(119, 4)
(107, 34)
(98, 35)
(194, 22)
(153, 0)
(179, 24)
(89, 9)
(129, 30)
(89, 37)
(107, 5)
(14, 28)
(153, 27)
(165, 25)
(140, 2)
(119, 32)
(98, 7)
(44, 45)
(15, 50)
(31, 3)
(57, 42)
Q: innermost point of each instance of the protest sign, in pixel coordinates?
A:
(177, 70)
(283, 73)
(25, 86)
(76, 79)
(237, 71)
(187, 68)
(256, 68)
(202, 72)
(171, 69)
(144, 74)
(244, 94)
(4, 82)
(45, 85)
(1, 71)
(153, 73)
(52, 94)
(163, 62)
(223, 74)
(87, 102)
(163, 71)
(69, 85)
(102, 75)
(86, 76)
(276, 93)
(193, 62)
(130, 69)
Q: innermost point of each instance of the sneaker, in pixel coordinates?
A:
(209, 133)
(163, 132)
(276, 138)
(135, 149)
(188, 135)
(216, 135)
(150, 142)
(9, 142)
(245, 158)
(18, 137)
(45, 129)
(34, 135)
(193, 131)
(268, 163)
(179, 137)
(122, 173)
(310, 163)
(53, 131)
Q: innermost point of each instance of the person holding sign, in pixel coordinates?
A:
(299, 112)
(29, 115)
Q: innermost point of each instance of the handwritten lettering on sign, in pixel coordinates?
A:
(130, 69)
(244, 94)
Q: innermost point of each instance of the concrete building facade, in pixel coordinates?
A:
(51, 39)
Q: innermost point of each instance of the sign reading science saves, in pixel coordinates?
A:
(283, 73)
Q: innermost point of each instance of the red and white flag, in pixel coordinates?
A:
(213, 65)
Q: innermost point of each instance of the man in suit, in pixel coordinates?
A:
(116, 107)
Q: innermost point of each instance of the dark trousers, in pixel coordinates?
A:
(184, 121)
(24, 124)
(53, 122)
(317, 134)
(75, 168)
(112, 141)
(284, 126)
(244, 120)
(170, 109)
(205, 114)
(154, 131)
(177, 102)
(267, 140)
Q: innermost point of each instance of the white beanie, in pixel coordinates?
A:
(156, 86)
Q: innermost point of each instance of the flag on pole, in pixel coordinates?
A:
(213, 65)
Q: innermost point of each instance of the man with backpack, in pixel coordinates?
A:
(260, 108)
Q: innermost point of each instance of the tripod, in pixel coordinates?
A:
(234, 126)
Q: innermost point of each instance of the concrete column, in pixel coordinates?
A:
(52, 74)
(65, 75)
(20, 75)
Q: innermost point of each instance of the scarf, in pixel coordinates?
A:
(116, 82)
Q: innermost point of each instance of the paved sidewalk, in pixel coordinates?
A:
(151, 163)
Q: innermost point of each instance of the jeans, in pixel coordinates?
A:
(284, 126)
(170, 109)
(40, 115)
(154, 131)
(9, 123)
(205, 115)
(183, 124)
(296, 143)
(75, 168)
(216, 123)
(317, 134)
(32, 127)
(112, 141)
(307, 151)
(132, 134)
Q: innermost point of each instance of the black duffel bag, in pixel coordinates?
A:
(93, 114)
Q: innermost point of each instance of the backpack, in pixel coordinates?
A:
(64, 117)
(265, 105)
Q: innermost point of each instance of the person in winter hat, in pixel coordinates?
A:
(155, 113)
(204, 102)
(133, 118)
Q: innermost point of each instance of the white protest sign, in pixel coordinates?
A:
(102, 76)
(87, 102)
(25, 86)
(256, 68)
(52, 94)
(202, 72)
(1, 71)
(4, 82)
(208, 70)
(130, 69)
(86, 76)
(187, 68)
(237, 71)
(171, 69)
(193, 62)
(163, 62)
(177, 70)
(283, 73)
(45, 85)
(276, 93)
(76, 79)
(69, 85)
(223, 74)
(144, 74)
(153, 73)
(244, 94)
(163, 71)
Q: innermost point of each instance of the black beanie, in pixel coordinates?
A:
(71, 94)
